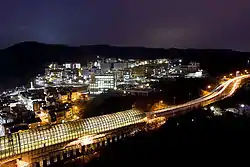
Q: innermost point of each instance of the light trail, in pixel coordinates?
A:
(216, 92)
(235, 86)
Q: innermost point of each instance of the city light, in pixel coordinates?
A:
(101, 124)
(69, 127)
(212, 108)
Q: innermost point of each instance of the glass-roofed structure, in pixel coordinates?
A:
(33, 139)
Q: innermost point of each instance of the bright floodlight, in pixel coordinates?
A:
(242, 105)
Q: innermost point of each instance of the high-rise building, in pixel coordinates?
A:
(101, 83)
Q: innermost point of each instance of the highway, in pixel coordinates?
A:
(213, 95)
(21, 142)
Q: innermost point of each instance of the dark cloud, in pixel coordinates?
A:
(158, 23)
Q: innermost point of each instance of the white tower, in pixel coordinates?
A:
(31, 85)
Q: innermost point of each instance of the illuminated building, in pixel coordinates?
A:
(30, 101)
(68, 73)
(101, 83)
(64, 98)
(191, 67)
(138, 71)
(67, 65)
(6, 119)
(126, 75)
(75, 96)
(77, 65)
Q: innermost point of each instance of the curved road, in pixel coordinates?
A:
(217, 94)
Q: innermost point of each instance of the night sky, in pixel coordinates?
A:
(150, 23)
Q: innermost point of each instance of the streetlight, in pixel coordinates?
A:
(209, 86)
(231, 74)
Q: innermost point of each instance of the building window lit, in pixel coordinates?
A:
(101, 83)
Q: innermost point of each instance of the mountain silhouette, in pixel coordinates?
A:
(21, 62)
